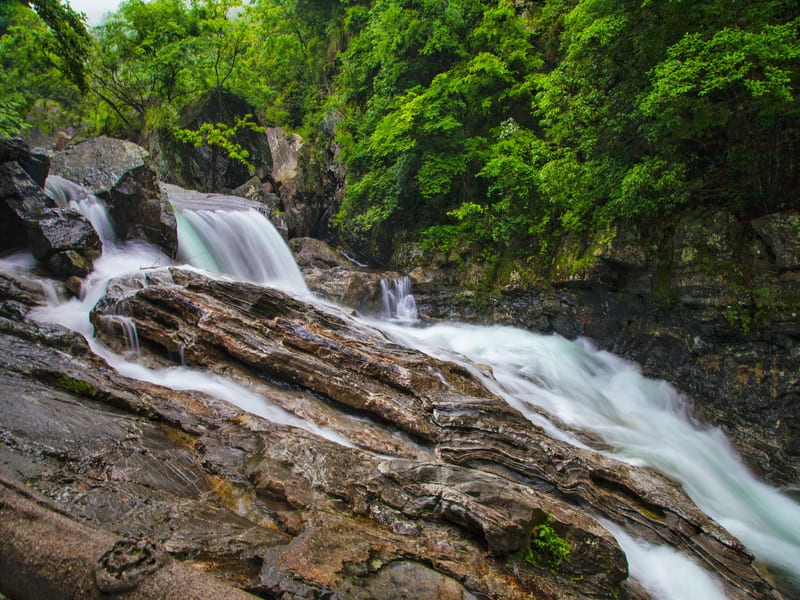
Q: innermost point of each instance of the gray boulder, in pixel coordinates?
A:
(65, 241)
(61, 240)
(21, 202)
(118, 172)
(298, 182)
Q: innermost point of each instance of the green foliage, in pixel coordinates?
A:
(757, 310)
(33, 74)
(487, 127)
(77, 386)
(159, 56)
(70, 43)
(654, 105)
(12, 120)
(424, 84)
(547, 548)
(733, 96)
(220, 137)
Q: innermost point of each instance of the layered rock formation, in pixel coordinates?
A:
(441, 485)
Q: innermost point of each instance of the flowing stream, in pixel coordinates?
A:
(644, 421)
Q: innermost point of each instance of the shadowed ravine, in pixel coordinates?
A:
(382, 459)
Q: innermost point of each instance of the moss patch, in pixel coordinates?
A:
(77, 387)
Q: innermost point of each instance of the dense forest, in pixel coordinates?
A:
(502, 125)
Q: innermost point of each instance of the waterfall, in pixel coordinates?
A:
(133, 257)
(68, 194)
(644, 421)
(241, 243)
(399, 303)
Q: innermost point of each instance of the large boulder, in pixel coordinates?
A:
(21, 202)
(298, 180)
(65, 241)
(34, 162)
(62, 240)
(118, 172)
(262, 192)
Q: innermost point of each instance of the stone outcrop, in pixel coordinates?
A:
(262, 192)
(208, 168)
(118, 172)
(334, 277)
(298, 181)
(781, 233)
(34, 162)
(62, 240)
(434, 493)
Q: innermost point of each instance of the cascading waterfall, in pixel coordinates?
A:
(399, 303)
(133, 257)
(68, 194)
(643, 420)
(241, 243)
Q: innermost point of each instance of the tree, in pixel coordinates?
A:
(144, 70)
(434, 80)
(71, 42)
(33, 73)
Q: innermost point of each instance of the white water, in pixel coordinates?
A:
(399, 303)
(646, 421)
(68, 194)
(241, 243)
(664, 572)
(137, 257)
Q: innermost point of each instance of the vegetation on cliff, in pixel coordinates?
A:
(505, 125)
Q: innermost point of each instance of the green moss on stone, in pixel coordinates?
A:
(77, 387)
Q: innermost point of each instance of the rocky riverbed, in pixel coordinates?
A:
(364, 468)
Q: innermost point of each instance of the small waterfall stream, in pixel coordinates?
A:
(399, 303)
(645, 421)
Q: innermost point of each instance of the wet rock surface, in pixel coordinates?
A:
(434, 496)
(334, 276)
(710, 304)
(460, 493)
(62, 240)
(299, 181)
(22, 202)
(118, 172)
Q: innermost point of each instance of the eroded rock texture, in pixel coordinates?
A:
(709, 303)
(433, 494)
